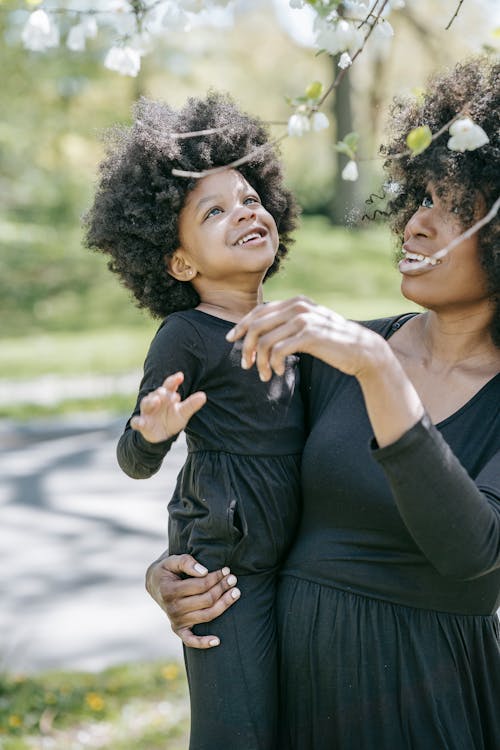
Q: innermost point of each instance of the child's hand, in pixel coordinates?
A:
(163, 414)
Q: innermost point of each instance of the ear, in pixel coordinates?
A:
(179, 267)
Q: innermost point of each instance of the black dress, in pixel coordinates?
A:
(236, 503)
(387, 627)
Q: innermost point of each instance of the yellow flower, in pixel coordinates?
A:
(15, 721)
(94, 701)
(170, 672)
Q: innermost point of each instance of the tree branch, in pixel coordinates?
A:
(237, 163)
(454, 15)
(342, 73)
(464, 236)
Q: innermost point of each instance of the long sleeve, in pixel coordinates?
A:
(454, 519)
(176, 346)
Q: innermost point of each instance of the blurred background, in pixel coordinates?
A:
(77, 535)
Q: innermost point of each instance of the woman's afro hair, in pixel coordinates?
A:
(134, 216)
(461, 180)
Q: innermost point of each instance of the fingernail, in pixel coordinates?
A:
(235, 593)
(231, 580)
(244, 363)
(230, 334)
(200, 568)
(225, 571)
(214, 642)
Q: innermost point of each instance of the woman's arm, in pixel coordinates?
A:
(201, 597)
(273, 331)
(454, 519)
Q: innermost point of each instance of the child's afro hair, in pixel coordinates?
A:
(134, 216)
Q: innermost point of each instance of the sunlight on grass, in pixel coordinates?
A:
(130, 707)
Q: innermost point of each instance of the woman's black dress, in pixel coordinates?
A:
(388, 633)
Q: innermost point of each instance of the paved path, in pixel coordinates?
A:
(76, 536)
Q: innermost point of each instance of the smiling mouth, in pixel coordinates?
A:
(418, 258)
(249, 237)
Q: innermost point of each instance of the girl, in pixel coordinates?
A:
(196, 252)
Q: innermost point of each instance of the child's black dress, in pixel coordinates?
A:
(236, 503)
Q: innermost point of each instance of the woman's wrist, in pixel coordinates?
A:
(392, 403)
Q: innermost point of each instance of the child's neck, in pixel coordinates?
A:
(230, 305)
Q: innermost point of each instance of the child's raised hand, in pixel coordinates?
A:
(163, 414)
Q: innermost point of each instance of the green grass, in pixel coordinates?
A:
(141, 706)
(350, 271)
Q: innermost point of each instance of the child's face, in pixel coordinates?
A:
(226, 235)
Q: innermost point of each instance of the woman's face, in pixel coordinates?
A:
(456, 281)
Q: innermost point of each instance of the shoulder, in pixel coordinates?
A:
(178, 332)
(386, 326)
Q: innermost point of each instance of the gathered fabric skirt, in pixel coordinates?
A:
(359, 673)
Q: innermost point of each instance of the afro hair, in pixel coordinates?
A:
(135, 212)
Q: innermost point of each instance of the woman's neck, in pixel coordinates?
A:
(455, 339)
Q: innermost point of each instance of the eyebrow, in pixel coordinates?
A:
(207, 199)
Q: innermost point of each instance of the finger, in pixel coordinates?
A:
(197, 641)
(183, 607)
(241, 327)
(274, 345)
(276, 316)
(173, 381)
(192, 404)
(189, 619)
(187, 564)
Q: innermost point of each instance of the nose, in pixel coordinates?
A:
(420, 224)
(243, 212)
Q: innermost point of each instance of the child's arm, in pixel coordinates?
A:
(167, 398)
(163, 414)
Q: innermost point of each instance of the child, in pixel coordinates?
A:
(196, 252)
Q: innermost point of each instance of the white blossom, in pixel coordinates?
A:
(466, 135)
(338, 37)
(124, 60)
(350, 171)
(345, 60)
(40, 32)
(383, 30)
(298, 124)
(357, 10)
(79, 34)
(319, 121)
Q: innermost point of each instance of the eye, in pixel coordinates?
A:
(213, 212)
(427, 201)
(251, 199)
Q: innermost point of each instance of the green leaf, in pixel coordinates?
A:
(343, 148)
(419, 139)
(351, 140)
(314, 90)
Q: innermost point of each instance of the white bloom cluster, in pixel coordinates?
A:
(78, 35)
(466, 135)
(124, 60)
(40, 32)
(300, 123)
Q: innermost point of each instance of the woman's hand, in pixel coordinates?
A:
(271, 332)
(189, 601)
(163, 414)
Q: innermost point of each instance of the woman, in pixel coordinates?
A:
(387, 601)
